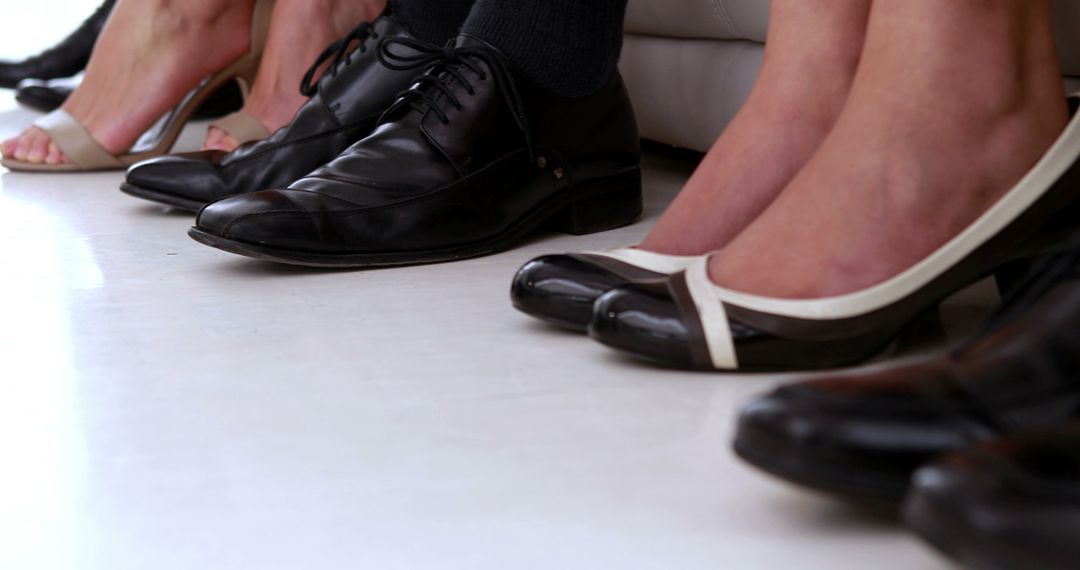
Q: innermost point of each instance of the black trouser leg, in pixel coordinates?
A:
(569, 47)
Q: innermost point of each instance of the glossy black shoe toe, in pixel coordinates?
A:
(466, 163)
(861, 435)
(561, 289)
(1012, 504)
(65, 59)
(343, 107)
(640, 319)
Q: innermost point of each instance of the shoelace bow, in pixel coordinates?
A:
(444, 65)
(338, 51)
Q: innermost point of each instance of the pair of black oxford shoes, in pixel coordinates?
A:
(979, 447)
(409, 153)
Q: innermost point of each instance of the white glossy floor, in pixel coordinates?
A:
(168, 406)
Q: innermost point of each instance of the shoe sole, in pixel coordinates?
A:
(164, 198)
(596, 206)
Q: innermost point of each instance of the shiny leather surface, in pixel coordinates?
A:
(1013, 503)
(67, 58)
(420, 184)
(880, 425)
(625, 317)
(344, 110)
(44, 95)
(641, 320)
(561, 289)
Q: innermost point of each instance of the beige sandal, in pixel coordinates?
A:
(242, 126)
(86, 154)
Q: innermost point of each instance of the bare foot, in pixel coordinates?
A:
(810, 60)
(150, 55)
(911, 163)
(299, 32)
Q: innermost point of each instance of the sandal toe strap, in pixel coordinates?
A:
(75, 142)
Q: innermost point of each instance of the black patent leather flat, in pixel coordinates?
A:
(466, 163)
(1012, 504)
(65, 59)
(860, 436)
(561, 289)
(732, 331)
(343, 107)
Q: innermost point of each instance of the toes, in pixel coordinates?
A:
(23, 145)
(39, 149)
(9, 146)
(217, 139)
(54, 156)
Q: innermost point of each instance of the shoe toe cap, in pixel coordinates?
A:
(194, 176)
(272, 218)
(561, 289)
(643, 323)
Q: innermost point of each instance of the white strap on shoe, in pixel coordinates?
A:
(713, 316)
(243, 127)
(75, 142)
(650, 261)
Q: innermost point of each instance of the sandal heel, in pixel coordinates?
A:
(605, 204)
(1011, 275)
(924, 334)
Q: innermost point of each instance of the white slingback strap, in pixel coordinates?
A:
(650, 261)
(75, 142)
(713, 316)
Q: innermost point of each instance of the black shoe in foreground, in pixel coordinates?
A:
(861, 436)
(65, 59)
(561, 289)
(466, 163)
(708, 327)
(1012, 504)
(343, 108)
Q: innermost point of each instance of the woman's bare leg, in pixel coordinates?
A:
(953, 103)
(811, 56)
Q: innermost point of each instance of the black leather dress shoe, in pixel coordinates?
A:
(466, 163)
(49, 95)
(862, 435)
(45, 95)
(344, 106)
(1008, 505)
(561, 289)
(65, 59)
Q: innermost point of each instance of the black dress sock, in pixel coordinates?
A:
(569, 47)
(435, 21)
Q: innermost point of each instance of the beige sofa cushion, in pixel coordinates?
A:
(705, 19)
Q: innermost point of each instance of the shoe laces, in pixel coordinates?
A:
(339, 52)
(445, 66)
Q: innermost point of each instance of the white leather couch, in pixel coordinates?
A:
(690, 64)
